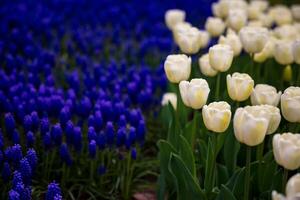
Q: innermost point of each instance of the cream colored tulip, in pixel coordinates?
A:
(260, 4)
(286, 32)
(180, 28)
(237, 19)
(214, 26)
(205, 38)
(281, 15)
(216, 9)
(292, 189)
(290, 104)
(265, 94)
(266, 20)
(216, 116)
(250, 125)
(296, 11)
(205, 67)
(194, 94)
(255, 23)
(275, 118)
(169, 97)
(286, 149)
(267, 51)
(233, 41)
(239, 86)
(177, 67)
(296, 51)
(173, 17)
(253, 12)
(253, 39)
(283, 52)
(189, 41)
(220, 57)
(227, 5)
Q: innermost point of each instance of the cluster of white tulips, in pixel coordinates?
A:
(248, 28)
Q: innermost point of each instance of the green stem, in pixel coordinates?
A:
(284, 178)
(248, 170)
(218, 86)
(260, 152)
(128, 177)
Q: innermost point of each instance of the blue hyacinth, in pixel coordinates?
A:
(53, 191)
(6, 172)
(32, 158)
(25, 170)
(13, 195)
(92, 148)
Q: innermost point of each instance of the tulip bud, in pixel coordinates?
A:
(169, 97)
(253, 38)
(283, 52)
(296, 51)
(287, 73)
(180, 28)
(265, 94)
(189, 41)
(296, 11)
(292, 189)
(215, 26)
(275, 118)
(250, 125)
(237, 19)
(267, 51)
(287, 32)
(253, 11)
(281, 15)
(216, 116)
(205, 67)
(177, 67)
(233, 41)
(266, 20)
(216, 9)
(220, 57)
(205, 38)
(286, 148)
(290, 104)
(173, 17)
(239, 86)
(194, 94)
(261, 5)
(227, 5)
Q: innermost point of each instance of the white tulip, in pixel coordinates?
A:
(266, 20)
(292, 189)
(227, 5)
(260, 4)
(275, 118)
(173, 17)
(290, 104)
(265, 94)
(205, 38)
(286, 148)
(189, 41)
(250, 125)
(216, 9)
(177, 67)
(296, 11)
(216, 116)
(220, 57)
(286, 32)
(254, 39)
(169, 97)
(297, 26)
(194, 94)
(239, 86)
(180, 28)
(267, 51)
(253, 11)
(205, 67)
(215, 26)
(283, 52)
(296, 51)
(255, 23)
(281, 14)
(233, 41)
(237, 19)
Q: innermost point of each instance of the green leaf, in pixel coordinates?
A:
(231, 150)
(186, 185)
(161, 187)
(189, 131)
(203, 151)
(222, 174)
(209, 167)
(225, 193)
(187, 155)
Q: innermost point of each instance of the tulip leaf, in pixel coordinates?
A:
(187, 155)
(187, 186)
(231, 150)
(161, 187)
(208, 181)
(222, 174)
(203, 151)
(225, 193)
(189, 131)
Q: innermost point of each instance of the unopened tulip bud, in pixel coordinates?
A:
(283, 52)
(215, 26)
(286, 148)
(237, 19)
(290, 104)
(189, 41)
(220, 57)
(173, 17)
(287, 73)
(265, 94)
(194, 94)
(177, 67)
(296, 51)
(275, 118)
(250, 125)
(254, 39)
(169, 98)
(233, 41)
(239, 86)
(205, 67)
(216, 116)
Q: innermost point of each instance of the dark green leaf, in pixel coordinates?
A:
(187, 155)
